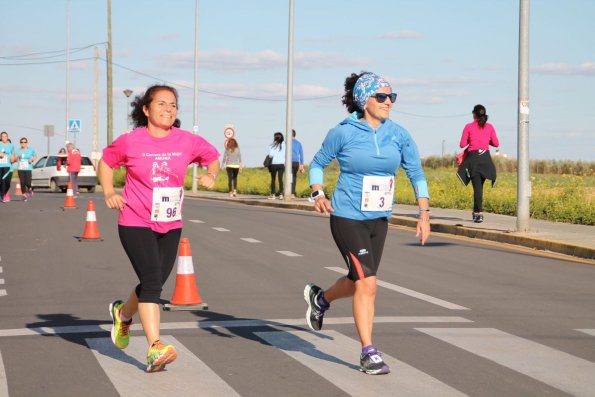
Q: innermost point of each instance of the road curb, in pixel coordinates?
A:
(498, 236)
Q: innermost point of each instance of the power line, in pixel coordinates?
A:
(44, 63)
(58, 52)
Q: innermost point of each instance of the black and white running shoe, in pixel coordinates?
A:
(314, 314)
(373, 364)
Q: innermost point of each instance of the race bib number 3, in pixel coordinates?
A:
(378, 193)
(167, 204)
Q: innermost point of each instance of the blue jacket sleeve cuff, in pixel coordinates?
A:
(316, 176)
(421, 189)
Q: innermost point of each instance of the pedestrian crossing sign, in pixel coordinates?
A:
(74, 126)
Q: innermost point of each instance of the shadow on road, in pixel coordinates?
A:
(291, 341)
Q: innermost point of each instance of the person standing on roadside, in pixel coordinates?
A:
(73, 166)
(478, 165)
(232, 162)
(25, 156)
(297, 161)
(369, 148)
(156, 155)
(6, 160)
(277, 167)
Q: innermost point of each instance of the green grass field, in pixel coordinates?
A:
(562, 198)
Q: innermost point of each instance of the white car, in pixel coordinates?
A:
(45, 174)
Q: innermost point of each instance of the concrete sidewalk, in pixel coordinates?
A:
(563, 238)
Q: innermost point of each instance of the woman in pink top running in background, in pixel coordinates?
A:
(478, 165)
(156, 155)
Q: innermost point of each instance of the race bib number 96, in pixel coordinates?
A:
(167, 204)
(378, 193)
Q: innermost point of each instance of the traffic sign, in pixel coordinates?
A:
(74, 126)
(229, 132)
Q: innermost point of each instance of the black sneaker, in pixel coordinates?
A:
(373, 364)
(478, 218)
(314, 314)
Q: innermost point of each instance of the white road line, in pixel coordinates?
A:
(250, 240)
(288, 253)
(335, 357)
(3, 380)
(221, 229)
(188, 374)
(409, 292)
(1, 281)
(3, 292)
(283, 322)
(587, 331)
(195, 221)
(563, 371)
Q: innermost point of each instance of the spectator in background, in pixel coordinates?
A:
(277, 167)
(232, 162)
(478, 165)
(73, 162)
(25, 156)
(6, 160)
(297, 161)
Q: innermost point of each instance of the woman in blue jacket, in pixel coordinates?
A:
(277, 167)
(369, 148)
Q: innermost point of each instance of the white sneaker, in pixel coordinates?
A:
(272, 197)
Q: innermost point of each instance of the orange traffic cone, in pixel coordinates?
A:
(18, 191)
(91, 230)
(186, 295)
(69, 202)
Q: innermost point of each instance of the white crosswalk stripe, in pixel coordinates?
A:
(561, 370)
(195, 221)
(335, 357)
(3, 380)
(221, 229)
(187, 376)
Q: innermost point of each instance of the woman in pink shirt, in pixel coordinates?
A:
(478, 165)
(156, 155)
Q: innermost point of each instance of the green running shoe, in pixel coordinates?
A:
(120, 328)
(159, 355)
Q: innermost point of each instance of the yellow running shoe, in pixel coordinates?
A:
(120, 328)
(159, 355)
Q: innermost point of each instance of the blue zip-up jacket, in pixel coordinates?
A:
(362, 151)
(278, 154)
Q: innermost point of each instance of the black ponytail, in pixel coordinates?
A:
(479, 111)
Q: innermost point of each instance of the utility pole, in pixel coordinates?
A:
(523, 178)
(95, 149)
(289, 113)
(67, 68)
(195, 127)
(108, 58)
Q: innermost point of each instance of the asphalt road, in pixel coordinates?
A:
(454, 317)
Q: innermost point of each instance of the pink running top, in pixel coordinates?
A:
(479, 138)
(154, 162)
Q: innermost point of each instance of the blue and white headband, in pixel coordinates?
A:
(366, 86)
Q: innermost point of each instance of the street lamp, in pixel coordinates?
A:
(127, 92)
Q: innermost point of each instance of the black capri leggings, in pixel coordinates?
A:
(278, 169)
(152, 256)
(232, 178)
(25, 179)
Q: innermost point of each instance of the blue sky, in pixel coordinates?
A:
(442, 57)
